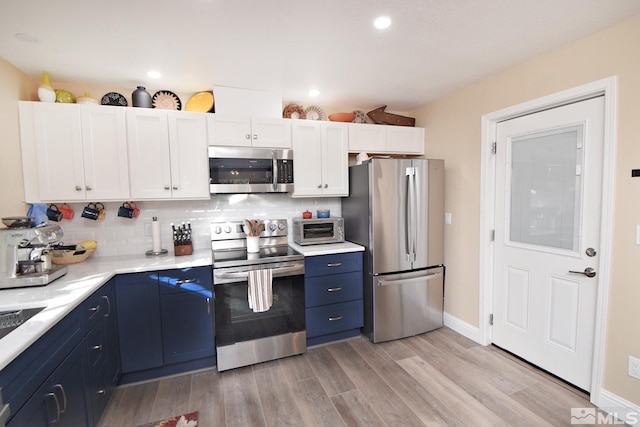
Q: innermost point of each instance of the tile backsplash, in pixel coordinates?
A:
(123, 236)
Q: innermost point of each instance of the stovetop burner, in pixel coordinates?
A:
(228, 242)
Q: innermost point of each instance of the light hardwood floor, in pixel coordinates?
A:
(438, 378)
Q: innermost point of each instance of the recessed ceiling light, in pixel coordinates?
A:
(26, 37)
(382, 22)
(314, 92)
(154, 74)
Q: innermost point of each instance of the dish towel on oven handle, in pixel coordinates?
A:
(259, 290)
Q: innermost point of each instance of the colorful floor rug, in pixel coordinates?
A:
(186, 420)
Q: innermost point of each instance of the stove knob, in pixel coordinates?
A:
(227, 229)
(272, 227)
(281, 226)
(217, 230)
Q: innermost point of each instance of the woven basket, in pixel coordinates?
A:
(67, 257)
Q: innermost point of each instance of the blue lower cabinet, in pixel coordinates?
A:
(60, 400)
(187, 326)
(165, 322)
(138, 313)
(333, 297)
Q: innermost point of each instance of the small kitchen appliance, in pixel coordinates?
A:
(245, 336)
(396, 211)
(25, 256)
(250, 170)
(314, 231)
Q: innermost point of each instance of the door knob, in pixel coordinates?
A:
(589, 272)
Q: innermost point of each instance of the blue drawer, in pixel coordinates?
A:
(332, 289)
(332, 264)
(334, 318)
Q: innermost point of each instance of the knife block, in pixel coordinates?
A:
(180, 250)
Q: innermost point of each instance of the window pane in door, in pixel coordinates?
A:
(545, 188)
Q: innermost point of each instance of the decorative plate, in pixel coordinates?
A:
(114, 98)
(201, 102)
(315, 113)
(293, 111)
(166, 100)
(361, 117)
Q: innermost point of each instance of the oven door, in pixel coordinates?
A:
(244, 337)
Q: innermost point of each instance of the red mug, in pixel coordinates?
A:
(67, 212)
(136, 211)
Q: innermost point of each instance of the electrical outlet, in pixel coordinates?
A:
(634, 367)
(147, 229)
(447, 218)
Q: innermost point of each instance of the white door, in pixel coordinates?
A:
(547, 229)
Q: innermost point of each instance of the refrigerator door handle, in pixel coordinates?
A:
(417, 214)
(428, 276)
(411, 216)
(407, 214)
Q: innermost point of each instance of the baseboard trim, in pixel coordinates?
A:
(463, 328)
(622, 409)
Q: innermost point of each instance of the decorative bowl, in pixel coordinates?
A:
(18, 221)
(342, 117)
(323, 213)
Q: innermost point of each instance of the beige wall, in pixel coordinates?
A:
(453, 133)
(14, 86)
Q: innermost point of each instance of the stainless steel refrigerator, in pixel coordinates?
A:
(395, 209)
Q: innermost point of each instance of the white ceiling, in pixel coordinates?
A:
(288, 47)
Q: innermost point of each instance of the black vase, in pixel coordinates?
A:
(141, 98)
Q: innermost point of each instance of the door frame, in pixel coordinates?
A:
(608, 88)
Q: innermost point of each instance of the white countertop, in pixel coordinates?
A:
(63, 295)
(327, 249)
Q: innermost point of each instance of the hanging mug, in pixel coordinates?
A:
(126, 211)
(67, 212)
(136, 211)
(90, 212)
(53, 213)
(101, 211)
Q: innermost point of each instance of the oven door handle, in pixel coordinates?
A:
(275, 272)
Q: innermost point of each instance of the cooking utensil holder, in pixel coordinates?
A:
(180, 250)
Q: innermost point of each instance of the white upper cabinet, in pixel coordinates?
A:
(245, 131)
(382, 139)
(320, 159)
(73, 152)
(167, 154)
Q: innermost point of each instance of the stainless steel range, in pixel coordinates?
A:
(245, 336)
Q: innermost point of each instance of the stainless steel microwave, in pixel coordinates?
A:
(250, 170)
(315, 231)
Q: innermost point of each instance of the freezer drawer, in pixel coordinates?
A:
(407, 304)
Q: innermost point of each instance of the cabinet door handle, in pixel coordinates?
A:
(255, 136)
(101, 391)
(97, 347)
(88, 187)
(334, 264)
(108, 313)
(208, 306)
(326, 186)
(334, 319)
(247, 136)
(334, 289)
(94, 310)
(175, 187)
(167, 187)
(180, 282)
(78, 188)
(64, 397)
(55, 399)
